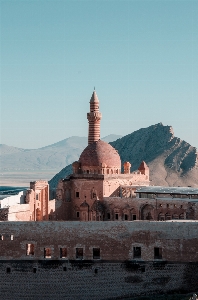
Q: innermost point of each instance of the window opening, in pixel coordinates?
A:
(96, 253)
(8, 270)
(1, 237)
(136, 252)
(34, 270)
(79, 253)
(116, 216)
(29, 249)
(96, 271)
(108, 216)
(77, 214)
(12, 237)
(47, 253)
(77, 195)
(64, 269)
(63, 252)
(157, 253)
(134, 217)
(126, 217)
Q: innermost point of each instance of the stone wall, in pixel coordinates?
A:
(26, 274)
(90, 280)
(116, 240)
(20, 212)
(149, 208)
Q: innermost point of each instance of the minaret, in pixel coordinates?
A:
(94, 117)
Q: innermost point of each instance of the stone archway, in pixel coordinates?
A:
(147, 212)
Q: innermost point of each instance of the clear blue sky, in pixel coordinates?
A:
(142, 57)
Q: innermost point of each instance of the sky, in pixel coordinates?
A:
(141, 57)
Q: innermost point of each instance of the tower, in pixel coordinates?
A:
(94, 117)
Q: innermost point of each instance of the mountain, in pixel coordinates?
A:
(52, 157)
(20, 166)
(172, 161)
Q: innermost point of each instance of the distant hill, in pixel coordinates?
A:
(172, 162)
(52, 157)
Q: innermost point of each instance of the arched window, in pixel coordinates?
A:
(161, 217)
(181, 216)
(168, 216)
(175, 217)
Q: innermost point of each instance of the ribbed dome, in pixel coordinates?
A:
(99, 153)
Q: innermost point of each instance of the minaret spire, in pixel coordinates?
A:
(94, 117)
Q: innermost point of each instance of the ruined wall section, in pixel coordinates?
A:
(20, 212)
(129, 208)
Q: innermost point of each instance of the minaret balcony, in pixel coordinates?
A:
(94, 116)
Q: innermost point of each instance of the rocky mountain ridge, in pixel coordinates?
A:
(172, 162)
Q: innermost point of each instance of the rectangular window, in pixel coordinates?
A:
(47, 253)
(79, 253)
(134, 217)
(29, 249)
(116, 216)
(126, 217)
(63, 252)
(37, 196)
(77, 214)
(77, 195)
(136, 252)
(8, 270)
(157, 253)
(108, 216)
(34, 270)
(96, 253)
(12, 237)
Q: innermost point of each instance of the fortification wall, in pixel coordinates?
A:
(178, 240)
(27, 273)
(90, 280)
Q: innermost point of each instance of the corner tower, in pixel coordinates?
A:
(94, 117)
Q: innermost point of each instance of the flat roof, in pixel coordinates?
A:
(168, 190)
